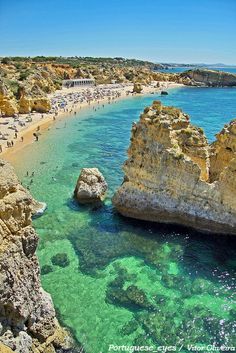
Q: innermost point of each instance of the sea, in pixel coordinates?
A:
(116, 281)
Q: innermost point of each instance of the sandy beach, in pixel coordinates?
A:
(17, 132)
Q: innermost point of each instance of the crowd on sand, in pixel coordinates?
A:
(66, 101)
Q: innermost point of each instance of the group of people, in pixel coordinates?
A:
(67, 103)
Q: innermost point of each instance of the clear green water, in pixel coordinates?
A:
(128, 282)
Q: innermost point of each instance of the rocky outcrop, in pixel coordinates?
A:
(204, 77)
(173, 175)
(8, 106)
(91, 186)
(137, 88)
(27, 316)
(32, 100)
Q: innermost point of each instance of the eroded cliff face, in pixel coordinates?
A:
(173, 175)
(25, 85)
(27, 316)
(205, 77)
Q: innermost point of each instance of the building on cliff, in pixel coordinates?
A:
(78, 82)
(173, 175)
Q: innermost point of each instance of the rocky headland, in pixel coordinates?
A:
(209, 78)
(173, 175)
(28, 322)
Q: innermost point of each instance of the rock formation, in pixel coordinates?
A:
(137, 88)
(204, 77)
(91, 186)
(27, 316)
(25, 85)
(8, 105)
(173, 175)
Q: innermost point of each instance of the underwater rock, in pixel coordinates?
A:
(60, 259)
(200, 286)
(130, 327)
(46, 269)
(164, 93)
(132, 297)
(91, 186)
(173, 175)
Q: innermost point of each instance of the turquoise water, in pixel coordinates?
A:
(124, 281)
(182, 69)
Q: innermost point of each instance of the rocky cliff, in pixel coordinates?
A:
(24, 85)
(27, 317)
(173, 175)
(204, 77)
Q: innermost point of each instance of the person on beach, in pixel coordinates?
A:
(12, 143)
(0, 148)
(15, 135)
(22, 139)
(36, 136)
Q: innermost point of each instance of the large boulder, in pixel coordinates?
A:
(91, 186)
(137, 88)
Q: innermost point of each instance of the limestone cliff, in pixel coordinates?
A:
(8, 104)
(27, 316)
(173, 175)
(24, 85)
(205, 77)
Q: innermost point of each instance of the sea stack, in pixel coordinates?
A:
(27, 317)
(91, 186)
(173, 175)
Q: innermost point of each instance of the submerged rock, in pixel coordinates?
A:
(60, 259)
(91, 186)
(46, 269)
(132, 297)
(164, 93)
(173, 175)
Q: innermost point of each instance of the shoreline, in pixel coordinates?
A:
(41, 122)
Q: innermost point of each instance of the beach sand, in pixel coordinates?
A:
(42, 122)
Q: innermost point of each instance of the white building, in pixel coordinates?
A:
(78, 82)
